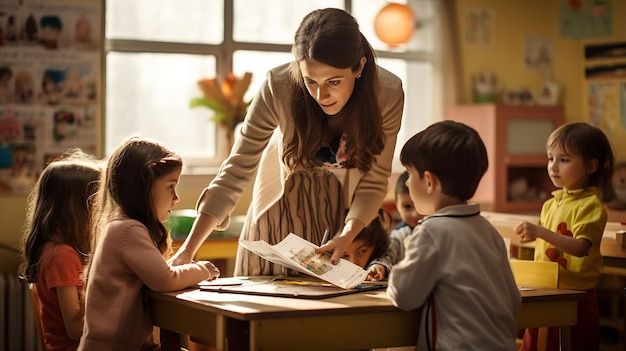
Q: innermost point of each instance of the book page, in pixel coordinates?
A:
(266, 251)
(299, 254)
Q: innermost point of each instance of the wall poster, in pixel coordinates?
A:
(50, 75)
(479, 27)
(605, 75)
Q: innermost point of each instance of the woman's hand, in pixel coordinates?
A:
(202, 226)
(337, 245)
(180, 258)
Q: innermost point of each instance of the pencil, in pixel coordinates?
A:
(325, 237)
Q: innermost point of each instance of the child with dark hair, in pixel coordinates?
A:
(371, 243)
(571, 224)
(130, 246)
(381, 267)
(56, 242)
(456, 264)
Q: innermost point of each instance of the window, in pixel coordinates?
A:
(157, 50)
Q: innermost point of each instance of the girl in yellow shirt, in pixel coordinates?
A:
(580, 163)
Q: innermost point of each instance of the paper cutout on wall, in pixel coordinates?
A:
(606, 106)
(479, 26)
(585, 18)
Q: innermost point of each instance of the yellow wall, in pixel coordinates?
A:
(517, 20)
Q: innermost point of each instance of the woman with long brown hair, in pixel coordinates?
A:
(318, 139)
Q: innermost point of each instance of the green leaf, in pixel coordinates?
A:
(204, 102)
(219, 117)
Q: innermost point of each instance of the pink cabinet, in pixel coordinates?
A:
(515, 136)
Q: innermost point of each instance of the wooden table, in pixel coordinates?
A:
(358, 321)
(613, 254)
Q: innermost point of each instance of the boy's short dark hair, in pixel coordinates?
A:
(401, 187)
(451, 150)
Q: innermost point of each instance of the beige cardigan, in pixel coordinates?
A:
(259, 146)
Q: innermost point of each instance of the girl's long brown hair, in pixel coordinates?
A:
(332, 37)
(59, 207)
(126, 189)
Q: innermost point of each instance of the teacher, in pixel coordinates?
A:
(318, 139)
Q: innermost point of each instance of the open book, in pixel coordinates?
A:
(298, 254)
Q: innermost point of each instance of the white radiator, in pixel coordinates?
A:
(18, 331)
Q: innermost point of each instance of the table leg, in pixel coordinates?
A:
(566, 338)
(542, 339)
(170, 341)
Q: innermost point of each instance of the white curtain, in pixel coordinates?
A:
(451, 66)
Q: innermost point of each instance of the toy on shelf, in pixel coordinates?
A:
(522, 189)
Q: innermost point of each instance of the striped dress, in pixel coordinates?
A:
(312, 201)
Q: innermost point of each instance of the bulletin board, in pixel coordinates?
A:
(50, 85)
(605, 77)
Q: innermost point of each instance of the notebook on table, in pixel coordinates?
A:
(293, 287)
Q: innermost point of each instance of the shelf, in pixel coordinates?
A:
(526, 160)
(515, 137)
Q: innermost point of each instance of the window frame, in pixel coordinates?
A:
(223, 53)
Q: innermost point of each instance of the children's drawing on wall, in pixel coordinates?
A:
(49, 74)
(604, 106)
(539, 55)
(52, 86)
(64, 125)
(6, 93)
(24, 87)
(30, 30)
(10, 33)
(19, 133)
(479, 26)
(51, 29)
(585, 18)
(51, 25)
(73, 85)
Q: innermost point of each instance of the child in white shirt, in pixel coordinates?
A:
(455, 265)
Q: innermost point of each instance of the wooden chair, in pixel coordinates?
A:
(34, 298)
(536, 274)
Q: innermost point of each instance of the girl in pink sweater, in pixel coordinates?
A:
(130, 246)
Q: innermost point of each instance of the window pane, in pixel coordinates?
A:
(187, 21)
(257, 63)
(274, 21)
(418, 98)
(149, 94)
(365, 12)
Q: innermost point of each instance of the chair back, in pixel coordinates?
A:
(535, 274)
(36, 302)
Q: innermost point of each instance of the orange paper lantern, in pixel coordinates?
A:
(394, 24)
